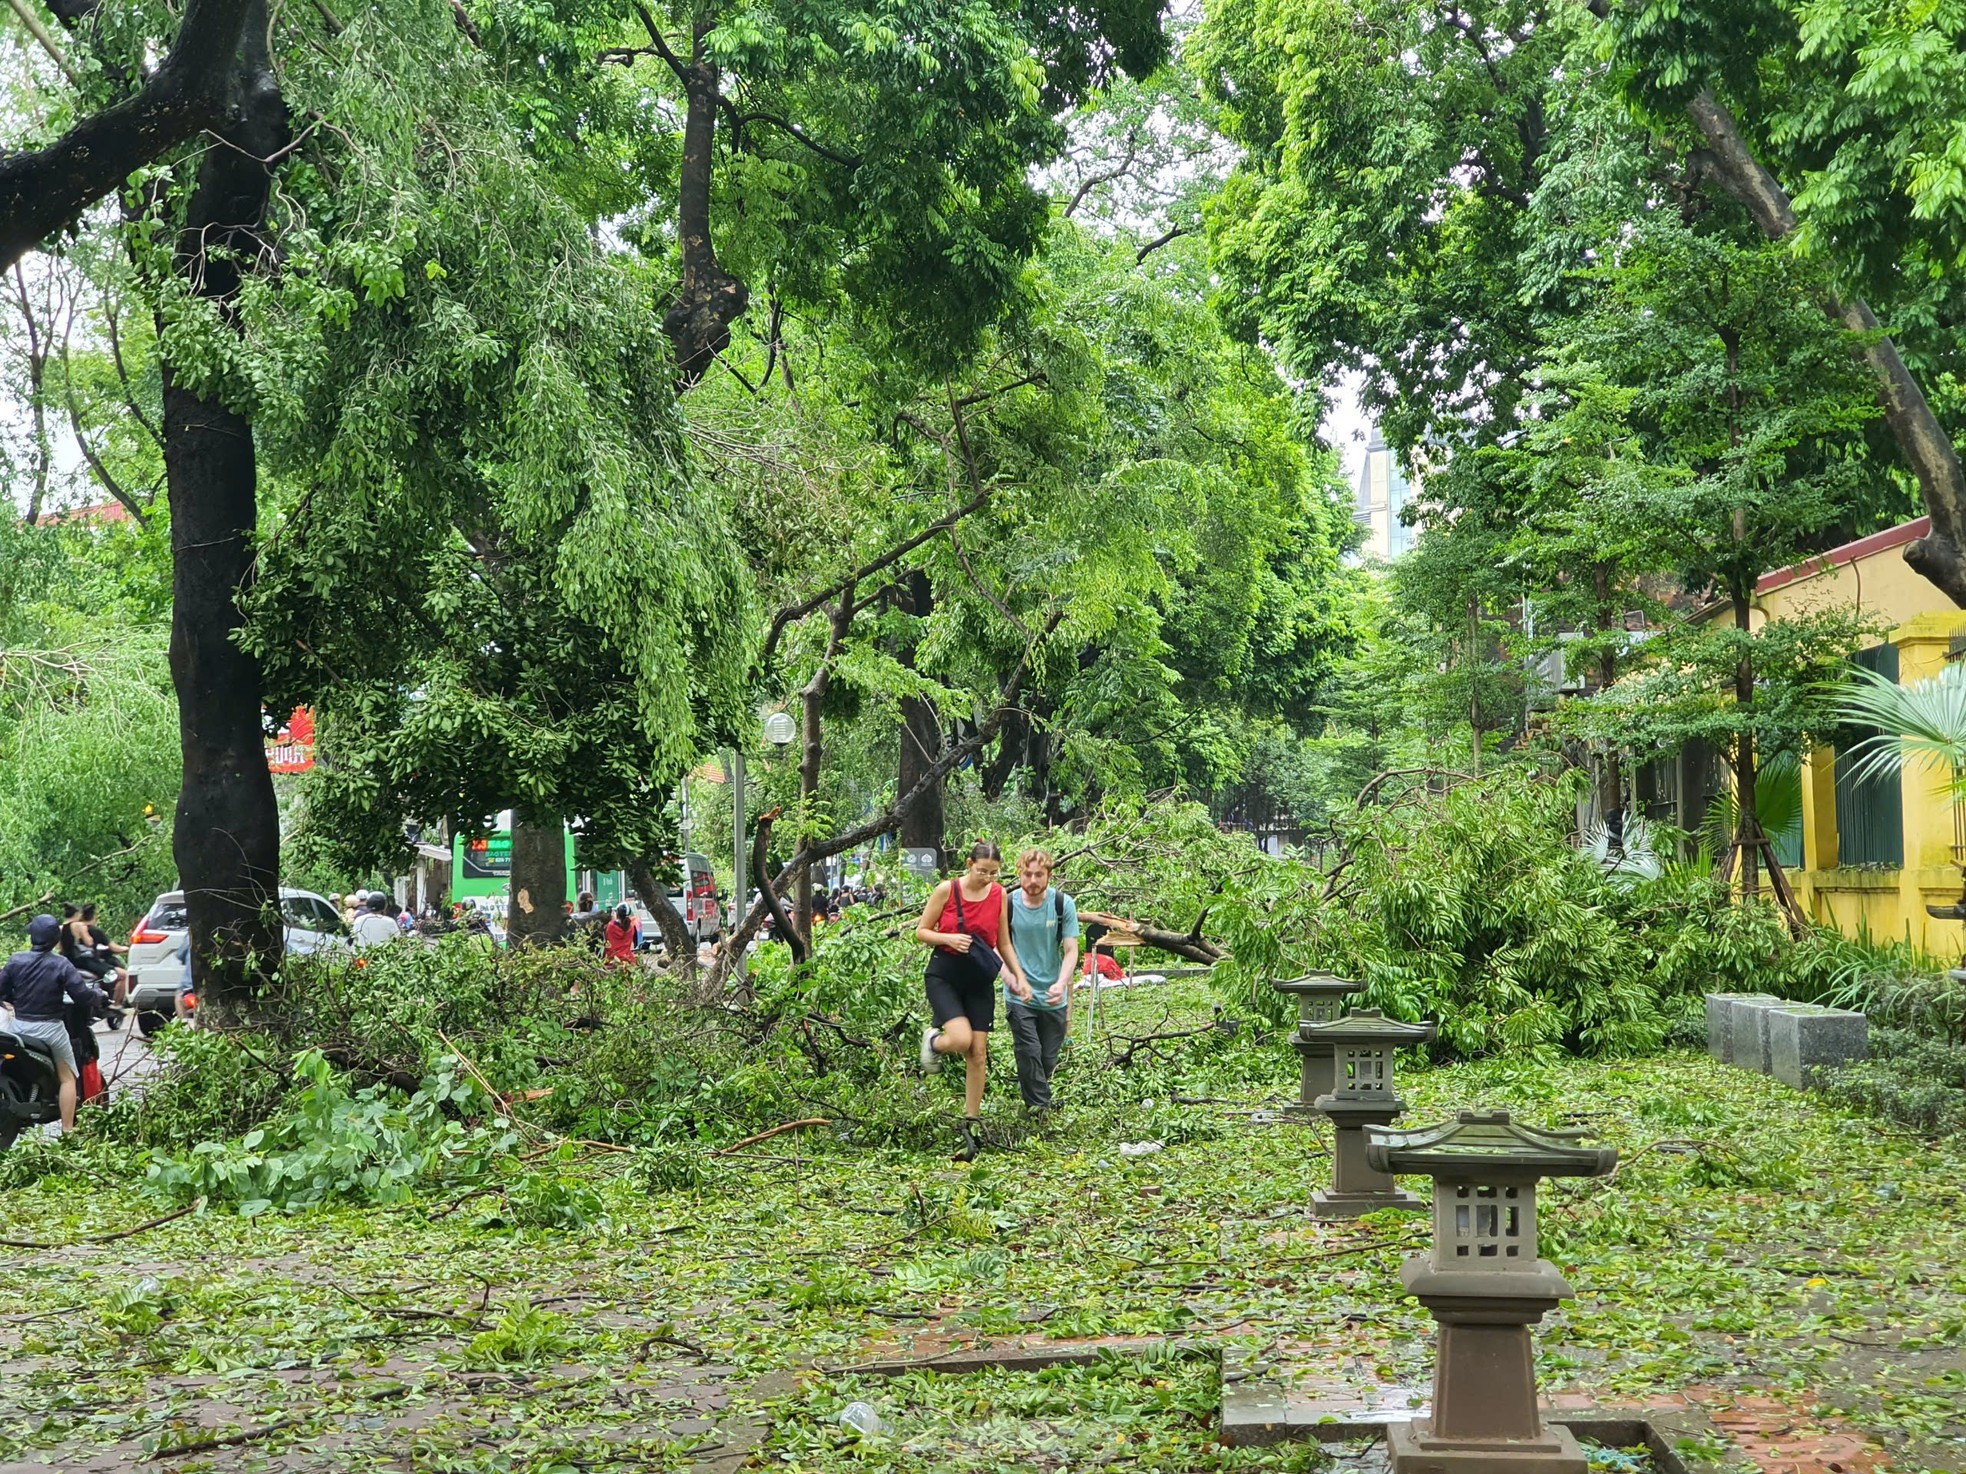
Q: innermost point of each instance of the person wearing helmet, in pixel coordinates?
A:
(375, 925)
(38, 985)
(622, 936)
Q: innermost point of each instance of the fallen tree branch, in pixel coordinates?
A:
(768, 890)
(889, 819)
(736, 1146)
(659, 1339)
(205, 1445)
(81, 870)
(1194, 948)
(1373, 787)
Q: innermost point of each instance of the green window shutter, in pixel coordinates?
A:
(1870, 816)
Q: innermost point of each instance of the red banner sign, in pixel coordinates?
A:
(291, 749)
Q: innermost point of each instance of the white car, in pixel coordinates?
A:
(311, 922)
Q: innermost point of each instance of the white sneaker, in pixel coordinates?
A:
(931, 1061)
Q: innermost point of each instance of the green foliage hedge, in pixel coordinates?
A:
(1468, 905)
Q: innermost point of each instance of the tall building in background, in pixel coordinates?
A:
(1382, 491)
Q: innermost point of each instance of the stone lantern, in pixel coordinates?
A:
(1486, 1285)
(1362, 1094)
(1320, 998)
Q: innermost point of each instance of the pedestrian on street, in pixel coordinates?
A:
(962, 923)
(375, 925)
(1044, 935)
(620, 939)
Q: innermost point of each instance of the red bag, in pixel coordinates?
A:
(89, 1083)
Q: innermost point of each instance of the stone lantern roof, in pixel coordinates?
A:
(1368, 1026)
(1317, 984)
(1486, 1145)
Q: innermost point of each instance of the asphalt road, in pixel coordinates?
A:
(126, 1057)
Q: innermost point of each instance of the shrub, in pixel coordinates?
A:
(1911, 1078)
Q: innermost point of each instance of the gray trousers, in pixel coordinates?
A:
(1036, 1034)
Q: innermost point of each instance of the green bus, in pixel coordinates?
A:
(481, 865)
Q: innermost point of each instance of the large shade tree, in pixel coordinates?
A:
(805, 152)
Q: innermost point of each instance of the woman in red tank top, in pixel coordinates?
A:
(965, 914)
(962, 997)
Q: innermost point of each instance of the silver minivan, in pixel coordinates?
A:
(312, 924)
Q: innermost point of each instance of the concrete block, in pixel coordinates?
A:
(1719, 1021)
(1805, 1037)
(1254, 1415)
(1748, 1031)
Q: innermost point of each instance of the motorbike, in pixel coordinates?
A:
(29, 1086)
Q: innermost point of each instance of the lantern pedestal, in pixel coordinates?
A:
(1484, 1418)
(1485, 1285)
(1357, 1187)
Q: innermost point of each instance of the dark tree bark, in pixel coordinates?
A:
(227, 839)
(538, 916)
(1940, 557)
(676, 940)
(1747, 824)
(1610, 780)
(194, 87)
(923, 821)
(1012, 743)
(710, 299)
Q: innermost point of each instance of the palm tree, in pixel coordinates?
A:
(1923, 724)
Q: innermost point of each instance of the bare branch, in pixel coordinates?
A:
(848, 161)
(1118, 171)
(660, 42)
(792, 613)
(109, 482)
(123, 376)
(1164, 238)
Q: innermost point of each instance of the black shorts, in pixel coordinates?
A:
(955, 991)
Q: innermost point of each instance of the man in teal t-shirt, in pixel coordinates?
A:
(1044, 932)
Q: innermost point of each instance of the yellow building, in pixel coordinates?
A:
(1876, 854)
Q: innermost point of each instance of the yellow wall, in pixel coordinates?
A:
(1881, 584)
(1890, 904)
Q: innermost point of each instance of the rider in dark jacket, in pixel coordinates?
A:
(40, 984)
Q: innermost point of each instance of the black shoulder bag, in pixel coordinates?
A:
(981, 955)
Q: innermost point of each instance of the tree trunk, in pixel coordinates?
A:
(923, 822)
(1939, 557)
(538, 916)
(710, 299)
(1012, 753)
(227, 839)
(1747, 823)
(1611, 786)
(676, 940)
(37, 377)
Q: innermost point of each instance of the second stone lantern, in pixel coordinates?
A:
(1362, 1045)
(1485, 1284)
(1320, 999)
